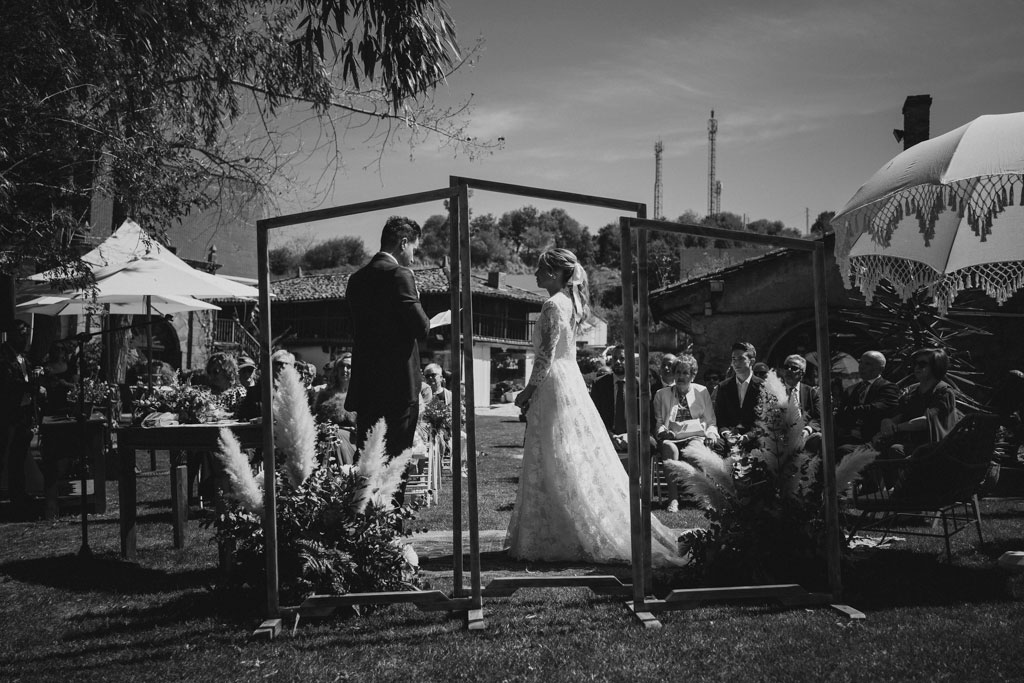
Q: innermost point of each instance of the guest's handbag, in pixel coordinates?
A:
(687, 429)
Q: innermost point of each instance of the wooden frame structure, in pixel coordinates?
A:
(640, 486)
(469, 600)
(507, 586)
(322, 605)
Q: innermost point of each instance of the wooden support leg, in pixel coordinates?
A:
(179, 505)
(152, 460)
(126, 489)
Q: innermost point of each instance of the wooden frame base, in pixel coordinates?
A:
(786, 594)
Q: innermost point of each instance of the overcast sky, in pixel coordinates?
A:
(806, 95)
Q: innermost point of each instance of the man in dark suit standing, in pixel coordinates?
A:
(864, 405)
(18, 391)
(607, 394)
(387, 319)
(737, 397)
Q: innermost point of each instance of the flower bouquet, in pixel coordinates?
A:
(437, 417)
(192, 404)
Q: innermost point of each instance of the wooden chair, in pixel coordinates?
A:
(418, 485)
(941, 486)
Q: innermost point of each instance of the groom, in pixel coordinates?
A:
(387, 319)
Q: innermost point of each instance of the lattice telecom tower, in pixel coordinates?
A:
(658, 148)
(712, 132)
(718, 197)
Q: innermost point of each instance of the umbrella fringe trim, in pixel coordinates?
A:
(979, 200)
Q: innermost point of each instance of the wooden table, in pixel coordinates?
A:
(63, 439)
(175, 438)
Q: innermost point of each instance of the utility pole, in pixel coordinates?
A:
(658, 148)
(712, 133)
(807, 220)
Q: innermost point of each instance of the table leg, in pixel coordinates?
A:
(179, 505)
(126, 493)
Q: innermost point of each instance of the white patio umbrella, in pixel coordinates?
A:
(155, 275)
(944, 215)
(120, 305)
(130, 242)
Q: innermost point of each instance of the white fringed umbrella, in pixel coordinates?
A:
(944, 215)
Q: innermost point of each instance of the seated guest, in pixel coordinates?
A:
(862, 408)
(434, 377)
(737, 397)
(666, 373)
(329, 406)
(608, 395)
(683, 412)
(761, 370)
(805, 396)
(246, 371)
(222, 380)
(925, 413)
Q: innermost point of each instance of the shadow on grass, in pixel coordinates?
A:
(894, 579)
(104, 574)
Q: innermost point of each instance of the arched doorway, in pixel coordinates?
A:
(166, 345)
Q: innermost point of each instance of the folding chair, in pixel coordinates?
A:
(941, 486)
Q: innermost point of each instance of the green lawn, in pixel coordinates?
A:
(64, 618)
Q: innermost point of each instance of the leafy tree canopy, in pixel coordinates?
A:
(170, 105)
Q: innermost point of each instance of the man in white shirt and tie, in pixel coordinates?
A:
(737, 397)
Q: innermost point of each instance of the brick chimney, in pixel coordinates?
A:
(496, 279)
(916, 120)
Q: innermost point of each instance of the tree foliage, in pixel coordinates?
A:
(434, 238)
(281, 260)
(167, 106)
(340, 251)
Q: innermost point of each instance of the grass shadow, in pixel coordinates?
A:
(104, 574)
(894, 578)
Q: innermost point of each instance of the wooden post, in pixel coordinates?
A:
(267, 387)
(460, 247)
(179, 504)
(828, 440)
(635, 522)
(643, 324)
(127, 499)
(467, 350)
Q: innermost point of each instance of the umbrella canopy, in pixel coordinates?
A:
(130, 242)
(154, 275)
(121, 305)
(944, 215)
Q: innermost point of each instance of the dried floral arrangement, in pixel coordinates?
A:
(338, 527)
(765, 506)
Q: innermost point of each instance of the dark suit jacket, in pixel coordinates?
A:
(728, 410)
(809, 406)
(867, 415)
(603, 394)
(387, 319)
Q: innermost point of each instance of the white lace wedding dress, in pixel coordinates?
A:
(573, 500)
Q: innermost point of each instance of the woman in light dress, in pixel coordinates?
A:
(573, 500)
(683, 412)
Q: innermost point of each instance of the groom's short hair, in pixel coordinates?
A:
(397, 228)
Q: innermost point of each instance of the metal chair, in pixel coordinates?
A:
(941, 485)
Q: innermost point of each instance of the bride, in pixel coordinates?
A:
(573, 500)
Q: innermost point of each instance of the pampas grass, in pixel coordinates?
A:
(294, 427)
(382, 477)
(697, 484)
(849, 470)
(242, 485)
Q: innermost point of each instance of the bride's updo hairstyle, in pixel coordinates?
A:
(574, 278)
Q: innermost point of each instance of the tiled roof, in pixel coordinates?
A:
(432, 280)
(726, 271)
